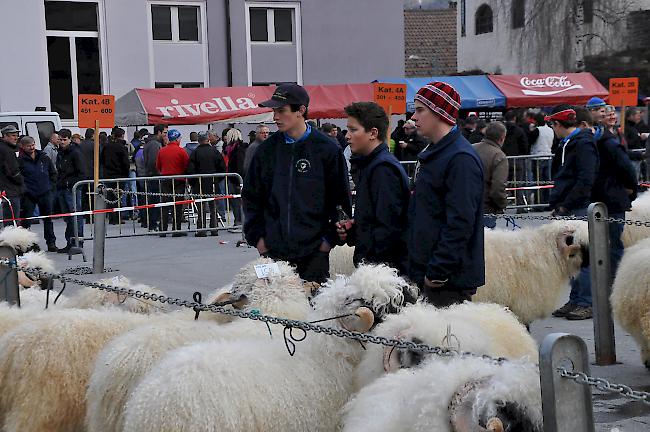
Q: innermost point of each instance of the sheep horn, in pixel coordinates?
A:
(228, 298)
(360, 322)
(461, 409)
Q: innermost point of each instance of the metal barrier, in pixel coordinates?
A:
(9, 290)
(529, 171)
(157, 189)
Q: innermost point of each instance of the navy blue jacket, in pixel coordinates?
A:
(577, 173)
(615, 174)
(39, 173)
(381, 211)
(446, 216)
(291, 192)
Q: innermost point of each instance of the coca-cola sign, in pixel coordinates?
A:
(548, 85)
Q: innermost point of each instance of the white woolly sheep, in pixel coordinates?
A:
(631, 296)
(529, 270)
(256, 386)
(34, 261)
(454, 395)
(632, 234)
(341, 260)
(20, 239)
(480, 328)
(126, 359)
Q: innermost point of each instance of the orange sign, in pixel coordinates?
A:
(96, 107)
(623, 91)
(391, 97)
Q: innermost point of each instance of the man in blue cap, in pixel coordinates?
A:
(296, 180)
(597, 108)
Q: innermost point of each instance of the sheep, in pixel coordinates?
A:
(630, 296)
(255, 385)
(529, 270)
(480, 328)
(341, 262)
(126, 359)
(20, 239)
(632, 234)
(461, 394)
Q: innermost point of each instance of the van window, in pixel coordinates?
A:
(3, 124)
(40, 131)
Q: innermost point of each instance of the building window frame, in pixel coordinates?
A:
(175, 24)
(463, 18)
(518, 13)
(100, 34)
(487, 26)
(297, 32)
(160, 84)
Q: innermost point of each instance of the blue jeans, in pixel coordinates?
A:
(44, 203)
(615, 242)
(132, 187)
(66, 202)
(581, 284)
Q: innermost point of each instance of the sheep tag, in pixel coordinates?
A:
(264, 271)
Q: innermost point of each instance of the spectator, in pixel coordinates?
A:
(495, 171)
(635, 140)
(173, 160)
(469, 126)
(52, 147)
(445, 244)
(76, 139)
(141, 171)
(40, 178)
(409, 148)
(138, 139)
(572, 193)
(70, 170)
(398, 133)
(332, 131)
(220, 144)
(597, 108)
(294, 185)
(114, 159)
(205, 159)
(130, 186)
(381, 211)
(87, 148)
(152, 147)
(479, 132)
(11, 180)
(215, 141)
(193, 144)
(516, 144)
(235, 151)
(261, 134)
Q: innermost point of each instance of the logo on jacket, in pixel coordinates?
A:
(303, 165)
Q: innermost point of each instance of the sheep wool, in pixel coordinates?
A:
(630, 296)
(341, 260)
(20, 239)
(480, 328)
(419, 399)
(529, 270)
(45, 364)
(256, 385)
(632, 234)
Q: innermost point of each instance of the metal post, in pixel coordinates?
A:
(99, 232)
(9, 291)
(566, 405)
(601, 284)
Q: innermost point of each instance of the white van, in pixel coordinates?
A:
(37, 124)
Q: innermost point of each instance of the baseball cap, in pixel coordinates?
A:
(173, 135)
(9, 129)
(287, 94)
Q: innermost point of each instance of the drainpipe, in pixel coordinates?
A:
(228, 43)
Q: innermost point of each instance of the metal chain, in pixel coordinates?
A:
(604, 385)
(255, 315)
(161, 194)
(529, 183)
(571, 218)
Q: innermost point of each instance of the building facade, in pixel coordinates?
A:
(54, 50)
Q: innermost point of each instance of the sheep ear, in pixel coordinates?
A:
(360, 322)
(24, 280)
(567, 248)
(494, 425)
(391, 360)
(228, 298)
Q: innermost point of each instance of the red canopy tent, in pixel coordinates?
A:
(227, 104)
(548, 89)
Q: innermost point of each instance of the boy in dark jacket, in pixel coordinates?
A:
(40, 177)
(296, 180)
(114, 160)
(445, 244)
(70, 170)
(381, 212)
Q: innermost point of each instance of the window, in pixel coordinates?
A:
(40, 131)
(588, 11)
(178, 85)
(462, 17)
(73, 53)
(483, 20)
(175, 23)
(518, 13)
(271, 25)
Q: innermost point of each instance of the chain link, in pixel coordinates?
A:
(571, 218)
(604, 385)
(161, 194)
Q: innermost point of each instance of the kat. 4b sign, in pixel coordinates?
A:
(92, 108)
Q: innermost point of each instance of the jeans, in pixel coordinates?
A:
(615, 242)
(153, 214)
(205, 187)
(67, 203)
(44, 204)
(132, 187)
(517, 172)
(221, 204)
(541, 172)
(235, 203)
(176, 187)
(581, 284)
(7, 210)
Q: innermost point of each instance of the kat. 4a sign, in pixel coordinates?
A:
(391, 97)
(623, 91)
(93, 108)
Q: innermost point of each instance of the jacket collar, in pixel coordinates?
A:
(25, 156)
(440, 146)
(363, 161)
(491, 143)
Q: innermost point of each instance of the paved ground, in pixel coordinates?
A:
(180, 266)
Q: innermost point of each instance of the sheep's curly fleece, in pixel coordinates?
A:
(632, 234)
(20, 239)
(417, 399)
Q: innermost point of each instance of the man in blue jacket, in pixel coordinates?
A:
(381, 211)
(294, 184)
(40, 178)
(445, 244)
(571, 195)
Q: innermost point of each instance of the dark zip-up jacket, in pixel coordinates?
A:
(446, 216)
(381, 210)
(69, 167)
(577, 173)
(516, 143)
(615, 174)
(39, 173)
(114, 159)
(414, 145)
(205, 159)
(87, 148)
(11, 180)
(291, 192)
